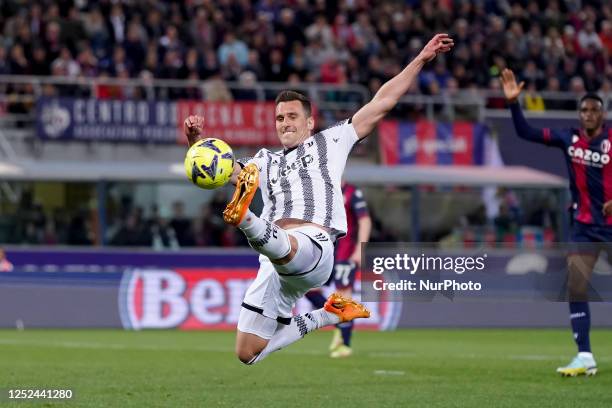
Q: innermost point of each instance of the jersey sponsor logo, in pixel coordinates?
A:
(301, 163)
(588, 156)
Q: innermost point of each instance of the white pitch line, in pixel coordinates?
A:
(389, 372)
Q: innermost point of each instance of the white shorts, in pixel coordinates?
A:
(274, 293)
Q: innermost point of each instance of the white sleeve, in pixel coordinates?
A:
(342, 136)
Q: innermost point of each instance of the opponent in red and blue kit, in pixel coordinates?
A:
(587, 154)
(347, 259)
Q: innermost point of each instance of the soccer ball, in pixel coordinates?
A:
(209, 163)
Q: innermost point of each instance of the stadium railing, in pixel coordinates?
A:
(25, 89)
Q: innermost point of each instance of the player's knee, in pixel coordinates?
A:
(247, 355)
(577, 292)
(293, 250)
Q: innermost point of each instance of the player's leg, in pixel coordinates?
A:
(263, 236)
(344, 281)
(253, 334)
(309, 268)
(580, 269)
(264, 325)
(337, 309)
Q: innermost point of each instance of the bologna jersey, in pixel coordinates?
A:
(588, 163)
(304, 182)
(356, 208)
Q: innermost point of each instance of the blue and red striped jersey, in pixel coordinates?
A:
(588, 165)
(355, 207)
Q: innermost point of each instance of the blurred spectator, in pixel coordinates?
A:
(5, 264)
(497, 101)
(320, 30)
(210, 225)
(552, 103)
(104, 91)
(181, 225)
(533, 100)
(72, 29)
(217, 91)
(134, 46)
(233, 46)
(18, 63)
(248, 83)
(132, 232)
(117, 23)
(163, 236)
(97, 32)
(588, 37)
(605, 36)
(508, 219)
(65, 64)
(79, 230)
(5, 69)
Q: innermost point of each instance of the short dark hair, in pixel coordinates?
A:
(592, 96)
(287, 96)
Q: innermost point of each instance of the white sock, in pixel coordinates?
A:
(300, 326)
(585, 354)
(265, 237)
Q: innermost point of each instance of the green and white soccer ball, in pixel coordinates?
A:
(209, 163)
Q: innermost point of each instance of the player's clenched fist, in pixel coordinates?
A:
(193, 127)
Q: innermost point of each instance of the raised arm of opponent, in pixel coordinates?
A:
(366, 119)
(512, 90)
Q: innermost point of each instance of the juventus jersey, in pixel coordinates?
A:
(305, 182)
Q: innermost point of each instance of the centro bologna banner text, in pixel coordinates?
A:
(88, 119)
(431, 143)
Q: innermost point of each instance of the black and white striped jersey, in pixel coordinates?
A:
(305, 182)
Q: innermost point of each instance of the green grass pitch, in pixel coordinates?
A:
(420, 368)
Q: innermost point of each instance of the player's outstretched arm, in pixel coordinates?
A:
(389, 94)
(512, 90)
(193, 127)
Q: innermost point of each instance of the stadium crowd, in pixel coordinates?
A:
(553, 45)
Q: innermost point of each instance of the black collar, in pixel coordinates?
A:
(289, 150)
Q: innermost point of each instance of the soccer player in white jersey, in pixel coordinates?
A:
(303, 212)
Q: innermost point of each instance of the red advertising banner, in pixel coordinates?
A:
(237, 123)
(197, 299)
